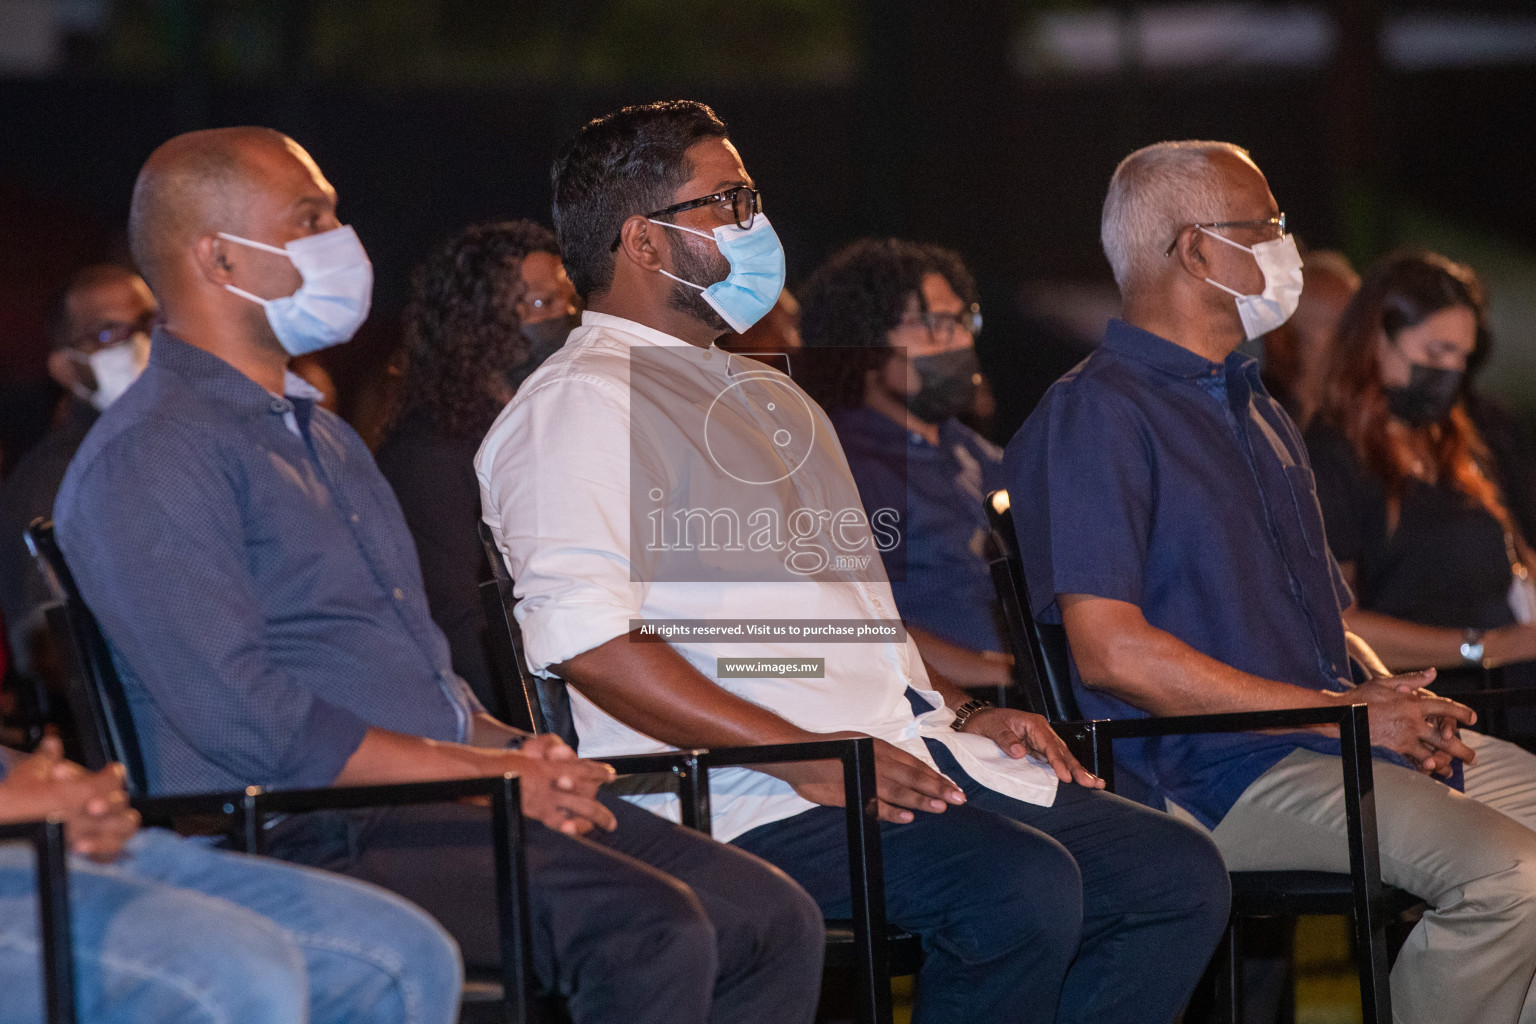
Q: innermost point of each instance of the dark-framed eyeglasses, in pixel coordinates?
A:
(745, 202)
(944, 325)
(1274, 222)
(117, 331)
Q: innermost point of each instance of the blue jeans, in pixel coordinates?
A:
(177, 933)
(1094, 909)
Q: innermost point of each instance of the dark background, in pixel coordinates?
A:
(855, 116)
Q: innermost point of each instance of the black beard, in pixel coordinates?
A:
(692, 265)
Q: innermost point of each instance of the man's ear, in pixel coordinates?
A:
(638, 243)
(212, 258)
(1189, 250)
(64, 370)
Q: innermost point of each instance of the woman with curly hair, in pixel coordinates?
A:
(485, 310)
(1412, 511)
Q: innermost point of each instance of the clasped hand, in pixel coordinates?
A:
(1412, 721)
(558, 788)
(94, 805)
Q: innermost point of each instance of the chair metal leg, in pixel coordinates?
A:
(1233, 968)
(693, 792)
(866, 873)
(517, 979)
(53, 914)
(49, 848)
(1369, 917)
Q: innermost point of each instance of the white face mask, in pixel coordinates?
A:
(114, 367)
(1281, 263)
(335, 296)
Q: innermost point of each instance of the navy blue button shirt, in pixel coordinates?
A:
(1149, 474)
(258, 587)
(938, 571)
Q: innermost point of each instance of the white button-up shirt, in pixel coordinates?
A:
(602, 444)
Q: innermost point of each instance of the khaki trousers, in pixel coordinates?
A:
(1471, 857)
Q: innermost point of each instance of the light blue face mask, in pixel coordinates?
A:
(757, 271)
(334, 297)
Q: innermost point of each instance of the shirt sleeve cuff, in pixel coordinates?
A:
(560, 633)
(326, 742)
(1115, 587)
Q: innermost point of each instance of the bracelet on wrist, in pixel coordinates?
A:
(967, 711)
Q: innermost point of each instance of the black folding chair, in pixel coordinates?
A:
(1042, 653)
(851, 943)
(104, 722)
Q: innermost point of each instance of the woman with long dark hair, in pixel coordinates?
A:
(486, 309)
(1437, 564)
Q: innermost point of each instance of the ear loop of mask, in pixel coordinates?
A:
(691, 231)
(1235, 245)
(76, 388)
(254, 245)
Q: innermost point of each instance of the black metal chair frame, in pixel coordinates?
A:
(850, 944)
(107, 734)
(48, 845)
(1370, 905)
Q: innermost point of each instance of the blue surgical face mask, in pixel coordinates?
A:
(334, 298)
(757, 271)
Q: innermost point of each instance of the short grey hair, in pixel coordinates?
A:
(1154, 192)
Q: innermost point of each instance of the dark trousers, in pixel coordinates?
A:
(651, 923)
(1094, 909)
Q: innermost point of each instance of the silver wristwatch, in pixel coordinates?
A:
(1472, 646)
(967, 711)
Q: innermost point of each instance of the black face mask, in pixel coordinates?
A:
(948, 384)
(1427, 397)
(545, 338)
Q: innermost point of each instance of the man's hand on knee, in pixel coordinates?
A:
(904, 783)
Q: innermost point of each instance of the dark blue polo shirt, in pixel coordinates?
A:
(1151, 475)
(938, 571)
(258, 587)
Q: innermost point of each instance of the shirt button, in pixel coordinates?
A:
(356, 517)
(280, 405)
(709, 353)
(399, 594)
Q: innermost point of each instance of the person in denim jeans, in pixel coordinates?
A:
(171, 931)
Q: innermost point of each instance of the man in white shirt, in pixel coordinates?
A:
(693, 558)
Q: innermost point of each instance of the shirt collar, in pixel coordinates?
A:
(295, 386)
(1156, 351)
(713, 357)
(212, 376)
(873, 423)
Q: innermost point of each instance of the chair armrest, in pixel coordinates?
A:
(1240, 721)
(1499, 698)
(1094, 738)
(48, 842)
(164, 808)
(1353, 721)
(253, 804)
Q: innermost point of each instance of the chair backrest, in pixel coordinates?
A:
(1045, 644)
(539, 705)
(97, 701)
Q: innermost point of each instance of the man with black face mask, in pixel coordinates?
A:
(486, 309)
(907, 315)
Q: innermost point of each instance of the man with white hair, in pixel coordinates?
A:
(1167, 516)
